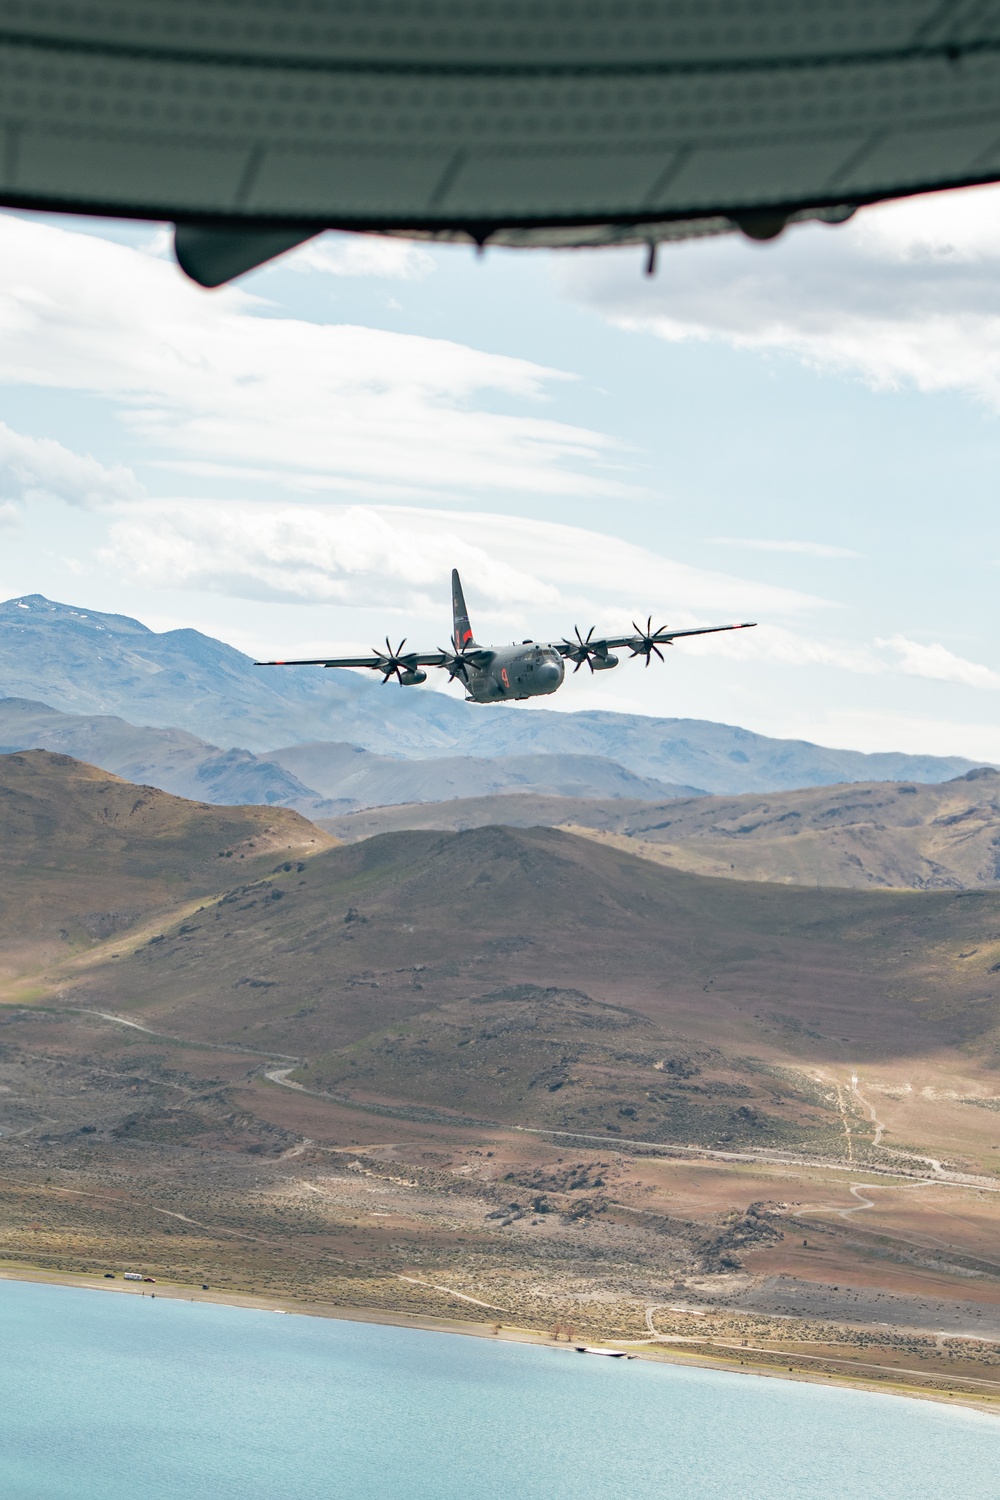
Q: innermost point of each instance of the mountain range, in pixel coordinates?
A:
(83, 662)
(518, 1069)
(522, 974)
(894, 834)
(340, 777)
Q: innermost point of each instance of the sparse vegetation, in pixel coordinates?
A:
(576, 1097)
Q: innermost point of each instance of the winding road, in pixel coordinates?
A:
(422, 1114)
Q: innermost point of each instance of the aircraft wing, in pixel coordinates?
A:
(664, 637)
(377, 663)
(598, 651)
(638, 642)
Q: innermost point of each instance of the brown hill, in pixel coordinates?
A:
(900, 835)
(774, 1043)
(527, 975)
(84, 854)
(502, 809)
(532, 975)
(890, 834)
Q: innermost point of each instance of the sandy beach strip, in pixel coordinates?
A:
(987, 1400)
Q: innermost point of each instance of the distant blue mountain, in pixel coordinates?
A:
(320, 779)
(84, 662)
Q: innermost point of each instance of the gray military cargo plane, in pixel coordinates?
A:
(504, 674)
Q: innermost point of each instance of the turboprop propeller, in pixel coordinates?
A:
(648, 642)
(394, 664)
(456, 666)
(586, 650)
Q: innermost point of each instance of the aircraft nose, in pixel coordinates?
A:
(548, 673)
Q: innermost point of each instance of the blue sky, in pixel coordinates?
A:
(803, 433)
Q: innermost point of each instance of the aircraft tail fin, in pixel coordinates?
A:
(460, 615)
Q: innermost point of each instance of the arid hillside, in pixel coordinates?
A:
(84, 854)
(900, 835)
(507, 809)
(538, 977)
(513, 1074)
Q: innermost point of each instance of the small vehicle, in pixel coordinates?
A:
(132, 1276)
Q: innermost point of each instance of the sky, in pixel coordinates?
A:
(804, 433)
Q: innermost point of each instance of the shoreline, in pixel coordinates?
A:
(654, 1353)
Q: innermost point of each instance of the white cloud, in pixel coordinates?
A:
(218, 380)
(897, 655)
(803, 549)
(362, 255)
(10, 516)
(525, 576)
(904, 293)
(939, 664)
(779, 646)
(523, 573)
(41, 469)
(321, 554)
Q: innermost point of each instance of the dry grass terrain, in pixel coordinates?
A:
(84, 854)
(866, 836)
(511, 1076)
(504, 809)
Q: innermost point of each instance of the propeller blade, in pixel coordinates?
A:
(457, 668)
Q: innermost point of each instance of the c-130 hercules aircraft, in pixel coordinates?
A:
(504, 674)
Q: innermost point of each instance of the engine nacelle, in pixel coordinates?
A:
(412, 679)
(604, 663)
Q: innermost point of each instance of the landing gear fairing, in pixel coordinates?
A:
(504, 674)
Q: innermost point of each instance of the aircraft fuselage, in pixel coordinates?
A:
(513, 672)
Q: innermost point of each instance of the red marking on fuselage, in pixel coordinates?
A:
(504, 678)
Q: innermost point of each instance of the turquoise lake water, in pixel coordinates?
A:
(106, 1397)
